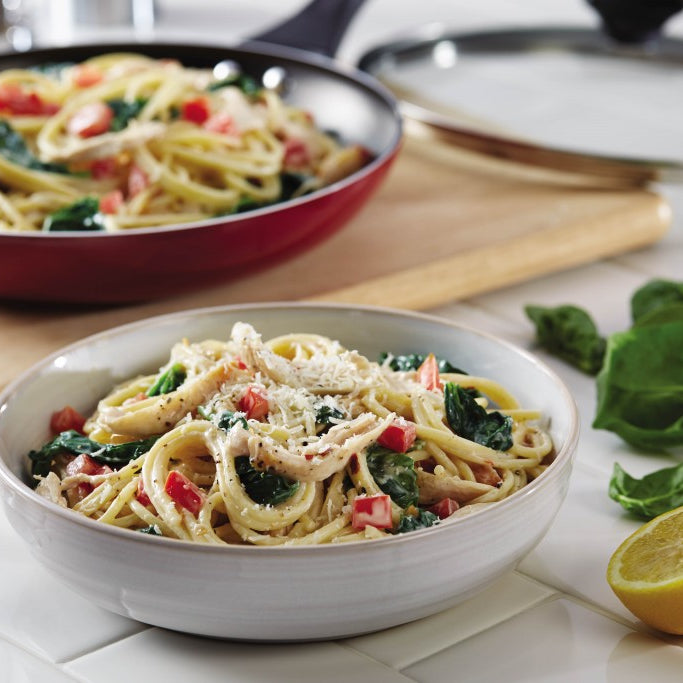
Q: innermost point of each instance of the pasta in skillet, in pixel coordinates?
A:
(291, 441)
(126, 141)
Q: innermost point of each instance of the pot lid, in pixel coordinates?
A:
(517, 94)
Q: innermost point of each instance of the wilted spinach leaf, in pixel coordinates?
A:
(75, 443)
(228, 420)
(654, 494)
(248, 85)
(291, 183)
(168, 381)
(327, 417)
(469, 420)
(124, 111)
(51, 69)
(412, 361)
(83, 214)
(13, 148)
(422, 520)
(264, 488)
(569, 333)
(394, 473)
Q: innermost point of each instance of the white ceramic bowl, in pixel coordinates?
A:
(277, 593)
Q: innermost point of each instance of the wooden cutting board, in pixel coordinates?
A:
(444, 226)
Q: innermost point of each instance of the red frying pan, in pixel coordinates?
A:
(148, 263)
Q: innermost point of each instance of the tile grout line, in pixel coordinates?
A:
(556, 595)
(640, 627)
(101, 646)
(364, 655)
(38, 657)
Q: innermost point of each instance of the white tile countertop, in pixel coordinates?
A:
(553, 619)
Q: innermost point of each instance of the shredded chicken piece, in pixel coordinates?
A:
(105, 145)
(341, 164)
(434, 488)
(157, 414)
(50, 487)
(318, 460)
(320, 374)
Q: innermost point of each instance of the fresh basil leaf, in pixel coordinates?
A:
(152, 530)
(653, 296)
(394, 473)
(412, 361)
(264, 488)
(469, 420)
(422, 520)
(124, 111)
(228, 420)
(663, 314)
(640, 387)
(13, 148)
(168, 381)
(75, 443)
(654, 494)
(83, 214)
(569, 333)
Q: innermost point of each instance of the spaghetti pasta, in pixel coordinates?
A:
(292, 441)
(151, 142)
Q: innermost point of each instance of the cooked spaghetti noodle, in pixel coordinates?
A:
(292, 441)
(126, 141)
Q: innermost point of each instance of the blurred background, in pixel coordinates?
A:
(511, 92)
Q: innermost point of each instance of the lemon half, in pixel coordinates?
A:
(646, 572)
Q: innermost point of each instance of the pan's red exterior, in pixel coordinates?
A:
(148, 263)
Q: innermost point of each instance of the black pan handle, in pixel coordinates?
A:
(635, 21)
(319, 27)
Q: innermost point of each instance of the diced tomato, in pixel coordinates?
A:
(197, 110)
(444, 508)
(16, 101)
(79, 492)
(239, 363)
(84, 464)
(297, 154)
(110, 202)
(137, 180)
(90, 120)
(221, 122)
(371, 511)
(141, 494)
(86, 75)
(184, 492)
(103, 169)
(254, 403)
(399, 436)
(428, 373)
(65, 419)
(485, 474)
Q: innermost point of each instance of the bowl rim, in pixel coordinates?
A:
(563, 457)
(360, 80)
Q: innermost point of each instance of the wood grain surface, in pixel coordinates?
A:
(445, 225)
